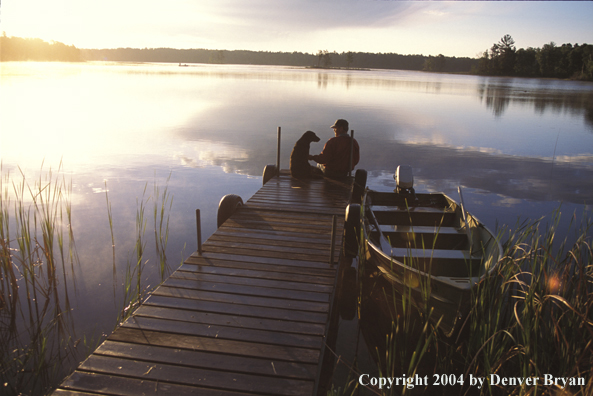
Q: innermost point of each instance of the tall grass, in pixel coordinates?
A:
(39, 265)
(163, 202)
(37, 255)
(134, 288)
(533, 317)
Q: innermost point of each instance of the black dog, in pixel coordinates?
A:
(299, 158)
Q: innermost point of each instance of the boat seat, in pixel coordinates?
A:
(435, 200)
(439, 262)
(419, 229)
(427, 209)
(423, 217)
(427, 237)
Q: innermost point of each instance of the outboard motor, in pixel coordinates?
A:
(404, 180)
(405, 184)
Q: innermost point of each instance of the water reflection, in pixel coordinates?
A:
(538, 179)
(522, 139)
(127, 113)
(574, 98)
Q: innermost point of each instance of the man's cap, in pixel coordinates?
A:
(340, 123)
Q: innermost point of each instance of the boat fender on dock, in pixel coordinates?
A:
(227, 206)
(352, 230)
(269, 172)
(360, 183)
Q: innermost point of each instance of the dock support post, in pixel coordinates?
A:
(351, 151)
(199, 229)
(278, 154)
(333, 242)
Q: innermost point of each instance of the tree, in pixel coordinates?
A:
(503, 55)
(565, 61)
(547, 58)
(349, 58)
(327, 60)
(320, 56)
(526, 63)
(20, 49)
(484, 64)
(435, 64)
(217, 57)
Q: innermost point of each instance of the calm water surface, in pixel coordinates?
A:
(518, 147)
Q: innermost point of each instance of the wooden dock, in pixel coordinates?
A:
(248, 317)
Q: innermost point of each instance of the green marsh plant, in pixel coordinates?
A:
(38, 255)
(134, 288)
(535, 317)
(39, 344)
(531, 318)
(163, 202)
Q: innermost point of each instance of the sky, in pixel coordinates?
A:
(459, 28)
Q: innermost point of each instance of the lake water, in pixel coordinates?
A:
(518, 147)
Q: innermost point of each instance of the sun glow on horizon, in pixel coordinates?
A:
(82, 119)
(305, 25)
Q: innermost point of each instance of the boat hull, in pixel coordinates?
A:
(428, 249)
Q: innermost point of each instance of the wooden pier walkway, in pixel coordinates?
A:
(248, 317)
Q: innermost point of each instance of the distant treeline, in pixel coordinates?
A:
(566, 61)
(26, 49)
(323, 59)
(503, 59)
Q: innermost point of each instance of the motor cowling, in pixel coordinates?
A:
(404, 178)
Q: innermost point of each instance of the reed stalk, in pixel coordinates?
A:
(162, 201)
(135, 291)
(133, 288)
(111, 231)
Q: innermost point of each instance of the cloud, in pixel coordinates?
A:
(266, 25)
(407, 27)
(314, 14)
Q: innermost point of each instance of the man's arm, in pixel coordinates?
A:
(325, 155)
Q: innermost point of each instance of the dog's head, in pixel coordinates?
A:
(310, 136)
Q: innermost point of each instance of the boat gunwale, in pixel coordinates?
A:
(454, 281)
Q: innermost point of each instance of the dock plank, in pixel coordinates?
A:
(215, 318)
(207, 360)
(83, 383)
(195, 377)
(223, 332)
(273, 235)
(250, 286)
(257, 270)
(266, 254)
(240, 299)
(239, 243)
(235, 309)
(216, 345)
(265, 260)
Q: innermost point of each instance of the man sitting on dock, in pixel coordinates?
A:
(334, 159)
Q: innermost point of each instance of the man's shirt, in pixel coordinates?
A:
(336, 154)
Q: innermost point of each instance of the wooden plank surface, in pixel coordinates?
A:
(247, 317)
